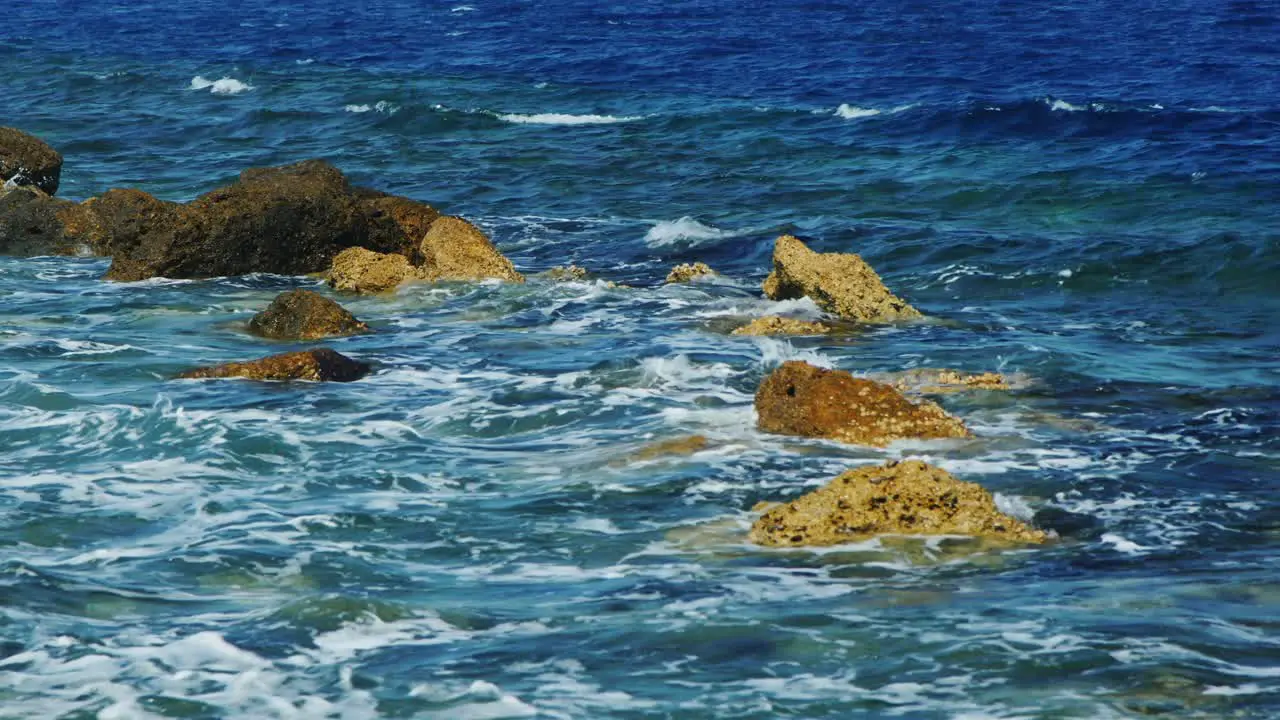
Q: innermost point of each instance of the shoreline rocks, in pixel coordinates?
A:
(688, 272)
(775, 325)
(840, 283)
(902, 498)
(364, 271)
(26, 160)
(454, 249)
(319, 365)
(304, 315)
(939, 381)
(801, 399)
(34, 223)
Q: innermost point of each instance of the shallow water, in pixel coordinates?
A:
(1085, 194)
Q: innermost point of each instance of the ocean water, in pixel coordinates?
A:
(1084, 193)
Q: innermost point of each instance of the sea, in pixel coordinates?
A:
(1081, 194)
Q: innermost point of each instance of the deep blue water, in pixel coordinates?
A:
(1086, 194)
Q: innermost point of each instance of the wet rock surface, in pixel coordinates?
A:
(34, 223)
(840, 283)
(907, 498)
(456, 250)
(801, 399)
(939, 381)
(364, 271)
(687, 272)
(319, 365)
(304, 315)
(26, 160)
(396, 224)
(774, 325)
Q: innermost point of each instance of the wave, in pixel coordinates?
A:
(688, 232)
(382, 106)
(224, 86)
(565, 119)
(853, 112)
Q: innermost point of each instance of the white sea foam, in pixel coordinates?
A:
(382, 106)
(686, 231)
(1063, 106)
(853, 112)
(223, 86)
(566, 119)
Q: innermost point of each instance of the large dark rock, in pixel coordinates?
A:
(304, 315)
(26, 160)
(900, 498)
(33, 223)
(801, 399)
(317, 365)
(396, 224)
(289, 220)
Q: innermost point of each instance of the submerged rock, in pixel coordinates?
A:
(304, 315)
(840, 283)
(690, 271)
(317, 365)
(396, 224)
(454, 249)
(687, 445)
(25, 160)
(290, 220)
(906, 498)
(33, 223)
(774, 325)
(801, 399)
(566, 273)
(365, 271)
(937, 381)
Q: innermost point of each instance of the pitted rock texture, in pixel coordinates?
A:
(774, 325)
(456, 250)
(396, 224)
(840, 283)
(304, 315)
(34, 223)
(690, 271)
(800, 399)
(26, 160)
(320, 365)
(901, 498)
(365, 271)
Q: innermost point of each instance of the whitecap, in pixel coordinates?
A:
(686, 231)
(1063, 106)
(382, 106)
(462, 8)
(223, 86)
(852, 112)
(566, 119)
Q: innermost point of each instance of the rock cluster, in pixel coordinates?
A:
(687, 272)
(938, 381)
(801, 399)
(908, 498)
(317, 365)
(304, 315)
(840, 283)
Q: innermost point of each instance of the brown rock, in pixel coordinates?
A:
(774, 325)
(396, 224)
(936, 381)
(317, 365)
(304, 315)
(566, 273)
(454, 249)
(33, 223)
(26, 160)
(903, 498)
(289, 220)
(365, 271)
(689, 271)
(840, 283)
(801, 399)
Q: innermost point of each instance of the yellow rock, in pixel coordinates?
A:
(774, 325)
(840, 283)
(689, 271)
(454, 249)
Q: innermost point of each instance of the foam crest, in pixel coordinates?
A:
(223, 86)
(382, 106)
(566, 119)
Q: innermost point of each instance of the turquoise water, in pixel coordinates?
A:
(1084, 196)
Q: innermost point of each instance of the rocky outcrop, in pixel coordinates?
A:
(454, 249)
(25, 160)
(317, 365)
(801, 399)
(289, 220)
(938, 381)
(365, 271)
(33, 223)
(904, 498)
(774, 325)
(566, 273)
(304, 315)
(689, 271)
(840, 283)
(396, 224)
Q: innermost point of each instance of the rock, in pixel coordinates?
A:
(937, 381)
(365, 271)
(317, 365)
(289, 220)
(687, 445)
(454, 249)
(33, 223)
(801, 399)
(689, 271)
(304, 315)
(396, 224)
(774, 325)
(905, 498)
(566, 273)
(840, 283)
(26, 160)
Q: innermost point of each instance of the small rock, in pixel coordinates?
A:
(909, 498)
(304, 315)
(454, 249)
(320, 365)
(774, 325)
(937, 381)
(840, 283)
(690, 271)
(365, 271)
(566, 273)
(26, 160)
(801, 399)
